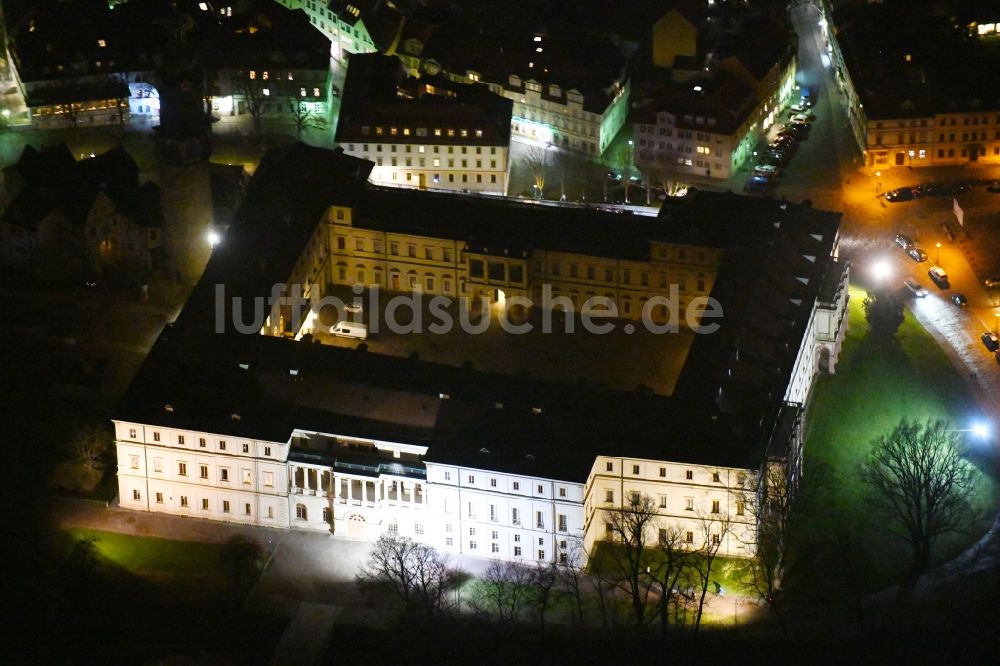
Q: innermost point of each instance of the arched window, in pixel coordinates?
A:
(327, 515)
(300, 512)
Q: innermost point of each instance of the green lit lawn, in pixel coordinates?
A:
(877, 383)
(152, 554)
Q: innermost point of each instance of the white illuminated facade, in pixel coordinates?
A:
(700, 502)
(311, 482)
(454, 167)
(345, 37)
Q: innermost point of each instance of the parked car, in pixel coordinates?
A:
(766, 170)
(939, 277)
(800, 118)
(960, 300)
(799, 108)
(782, 156)
(776, 158)
(614, 177)
(799, 130)
(915, 287)
(934, 190)
(903, 241)
(758, 184)
(917, 254)
(990, 341)
(992, 282)
(346, 329)
(994, 187)
(900, 194)
(355, 308)
(783, 142)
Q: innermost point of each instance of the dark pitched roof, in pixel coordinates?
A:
(378, 93)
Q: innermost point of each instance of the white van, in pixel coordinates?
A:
(346, 329)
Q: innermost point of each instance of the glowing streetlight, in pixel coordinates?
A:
(980, 430)
(878, 183)
(213, 238)
(937, 255)
(882, 270)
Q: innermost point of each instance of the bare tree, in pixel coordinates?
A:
(623, 158)
(90, 446)
(571, 580)
(505, 587)
(668, 178)
(670, 562)
(302, 116)
(389, 567)
(253, 95)
(714, 528)
(770, 505)
(536, 160)
(626, 557)
(920, 480)
(432, 578)
(543, 582)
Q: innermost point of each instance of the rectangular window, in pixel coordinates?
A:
(688, 474)
(635, 469)
(225, 506)
(136, 496)
(493, 483)
(159, 498)
(541, 554)
(715, 506)
(224, 474)
(515, 517)
(447, 476)
(494, 548)
(246, 508)
(562, 522)
(540, 488)
(418, 528)
(246, 448)
(201, 442)
(562, 492)
(472, 545)
(472, 510)
(517, 551)
(663, 501)
(539, 520)
(268, 479)
(493, 512)
(715, 477)
(663, 472)
(131, 433)
(689, 504)
(182, 469)
(180, 439)
(133, 462)
(222, 445)
(609, 496)
(203, 471)
(184, 501)
(517, 485)
(449, 541)
(634, 497)
(472, 479)
(267, 450)
(739, 507)
(204, 504)
(156, 436)
(246, 477)
(157, 464)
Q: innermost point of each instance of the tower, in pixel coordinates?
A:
(183, 146)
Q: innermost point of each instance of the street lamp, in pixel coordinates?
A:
(881, 271)
(878, 183)
(213, 238)
(937, 255)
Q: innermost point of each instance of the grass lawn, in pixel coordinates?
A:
(153, 555)
(878, 382)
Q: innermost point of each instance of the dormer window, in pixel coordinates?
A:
(555, 91)
(533, 86)
(473, 76)
(515, 81)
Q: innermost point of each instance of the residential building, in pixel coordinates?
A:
(424, 133)
(702, 111)
(257, 58)
(926, 104)
(69, 217)
(345, 24)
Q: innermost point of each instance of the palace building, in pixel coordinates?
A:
(267, 430)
